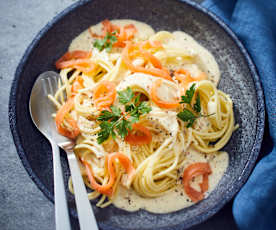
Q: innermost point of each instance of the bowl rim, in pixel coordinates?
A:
(259, 124)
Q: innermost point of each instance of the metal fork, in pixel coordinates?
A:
(41, 111)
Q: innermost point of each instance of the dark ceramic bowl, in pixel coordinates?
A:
(239, 79)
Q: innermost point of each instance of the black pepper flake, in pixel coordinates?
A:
(176, 190)
(187, 200)
(181, 194)
(171, 72)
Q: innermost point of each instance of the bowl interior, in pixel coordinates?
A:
(237, 79)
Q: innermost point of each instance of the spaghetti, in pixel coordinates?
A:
(178, 122)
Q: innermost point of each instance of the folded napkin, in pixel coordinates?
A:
(254, 22)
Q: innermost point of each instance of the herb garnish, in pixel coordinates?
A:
(197, 106)
(117, 122)
(191, 115)
(188, 95)
(107, 42)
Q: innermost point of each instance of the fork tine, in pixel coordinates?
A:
(44, 86)
(55, 83)
(62, 94)
(50, 85)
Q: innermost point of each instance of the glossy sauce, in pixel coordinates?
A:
(85, 42)
(175, 199)
(203, 58)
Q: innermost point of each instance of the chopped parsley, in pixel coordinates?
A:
(197, 106)
(188, 115)
(106, 43)
(116, 122)
(188, 95)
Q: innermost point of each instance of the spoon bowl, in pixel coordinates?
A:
(41, 109)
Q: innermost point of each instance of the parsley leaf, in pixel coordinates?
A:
(188, 95)
(187, 116)
(108, 47)
(106, 130)
(197, 106)
(106, 42)
(112, 37)
(116, 111)
(123, 126)
(99, 44)
(129, 108)
(144, 108)
(137, 99)
(126, 95)
(105, 116)
(133, 119)
(110, 116)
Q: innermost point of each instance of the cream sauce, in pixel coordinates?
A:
(85, 42)
(203, 58)
(176, 199)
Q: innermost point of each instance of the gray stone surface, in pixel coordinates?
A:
(22, 205)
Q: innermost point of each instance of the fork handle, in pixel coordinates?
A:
(86, 216)
(61, 208)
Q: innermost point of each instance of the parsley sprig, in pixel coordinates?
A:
(191, 115)
(188, 95)
(107, 42)
(116, 122)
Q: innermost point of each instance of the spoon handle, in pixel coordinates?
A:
(86, 216)
(61, 208)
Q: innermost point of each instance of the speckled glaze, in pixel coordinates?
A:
(239, 79)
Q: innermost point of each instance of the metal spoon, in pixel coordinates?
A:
(41, 110)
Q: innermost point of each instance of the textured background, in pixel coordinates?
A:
(22, 205)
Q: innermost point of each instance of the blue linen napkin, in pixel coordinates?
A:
(254, 22)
